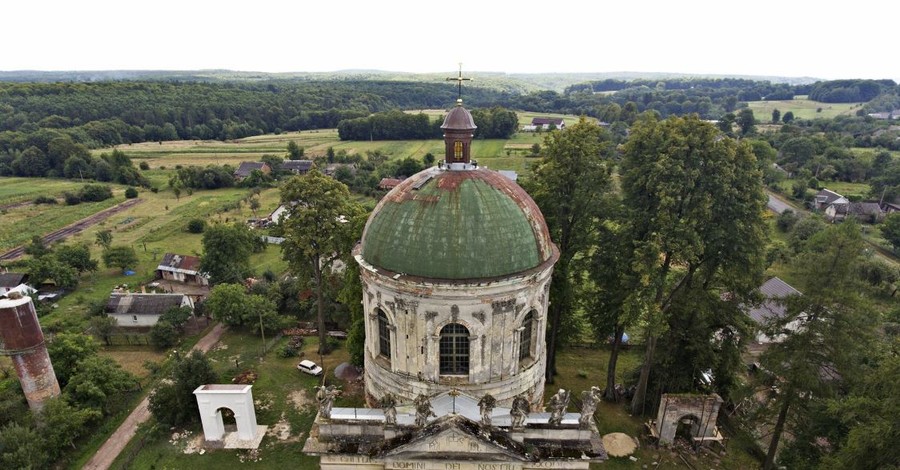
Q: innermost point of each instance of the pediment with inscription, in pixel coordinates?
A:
(453, 437)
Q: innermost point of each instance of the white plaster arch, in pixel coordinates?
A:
(237, 398)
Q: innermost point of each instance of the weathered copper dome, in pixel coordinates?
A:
(469, 224)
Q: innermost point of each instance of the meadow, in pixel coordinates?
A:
(802, 108)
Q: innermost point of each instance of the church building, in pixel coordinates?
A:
(455, 266)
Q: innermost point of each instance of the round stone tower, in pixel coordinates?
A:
(456, 264)
(21, 338)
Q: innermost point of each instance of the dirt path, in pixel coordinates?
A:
(74, 228)
(113, 446)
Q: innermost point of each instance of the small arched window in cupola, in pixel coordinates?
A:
(458, 150)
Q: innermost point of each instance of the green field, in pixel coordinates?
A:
(15, 189)
(20, 224)
(498, 154)
(802, 108)
(153, 228)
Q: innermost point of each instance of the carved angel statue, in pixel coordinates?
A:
(558, 404)
(388, 404)
(519, 411)
(325, 397)
(487, 404)
(589, 399)
(423, 410)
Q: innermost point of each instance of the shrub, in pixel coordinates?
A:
(95, 192)
(786, 220)
(196, 225)
(45, 200)
(154, 190)
(287, 351)
(71, 198)
(144, 166)
(131, 193)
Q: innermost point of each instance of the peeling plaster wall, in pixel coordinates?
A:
(493, 311)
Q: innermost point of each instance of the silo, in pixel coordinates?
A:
(21, 338)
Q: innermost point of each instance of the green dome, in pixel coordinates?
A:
(466, 224)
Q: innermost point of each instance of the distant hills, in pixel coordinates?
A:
(505, 82)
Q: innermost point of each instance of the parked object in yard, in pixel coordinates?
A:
(309, 367)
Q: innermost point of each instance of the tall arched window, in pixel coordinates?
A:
(454, 350)
(384, 335)
(525, 336)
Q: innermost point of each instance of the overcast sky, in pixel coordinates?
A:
(767, 37)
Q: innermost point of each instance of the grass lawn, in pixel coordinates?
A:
(802, 108)
(284, 397)
(841, 187)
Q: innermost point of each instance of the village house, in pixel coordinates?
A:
(886, 115)
(544, 124)
(134, 310)
(14, 282)
(389, 183)
(246, 168)
(826, 197)
(181, 268)
(297, 167)
(774, 292)
(868, 212)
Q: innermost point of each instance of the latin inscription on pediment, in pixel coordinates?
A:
(452, 465)
(449, 441)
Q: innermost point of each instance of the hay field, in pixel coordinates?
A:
(802, 108)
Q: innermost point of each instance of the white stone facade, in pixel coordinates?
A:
(416, 310)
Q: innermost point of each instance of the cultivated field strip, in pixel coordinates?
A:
(73, 228)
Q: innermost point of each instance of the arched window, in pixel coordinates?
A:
(525, 336)
(384, 335)
(454, 350)
(458, 150)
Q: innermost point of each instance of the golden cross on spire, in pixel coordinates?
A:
(458, 79)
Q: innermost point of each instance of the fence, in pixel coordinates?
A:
(129, 340)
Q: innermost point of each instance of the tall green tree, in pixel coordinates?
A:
(318, 231)
(61, 424)
(825, 332)
(569, 185)
(49, 268)
(99, 383)
(122, 257)
(67, 350)
(746, 121)
(610, 276)
(173, 402)
(104, 239)
(695, 203)
(76, 256)
(226, 252)
(890, 230)
(232, 305)
(295, 152)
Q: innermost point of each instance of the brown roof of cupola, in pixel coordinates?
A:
(459, 118)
